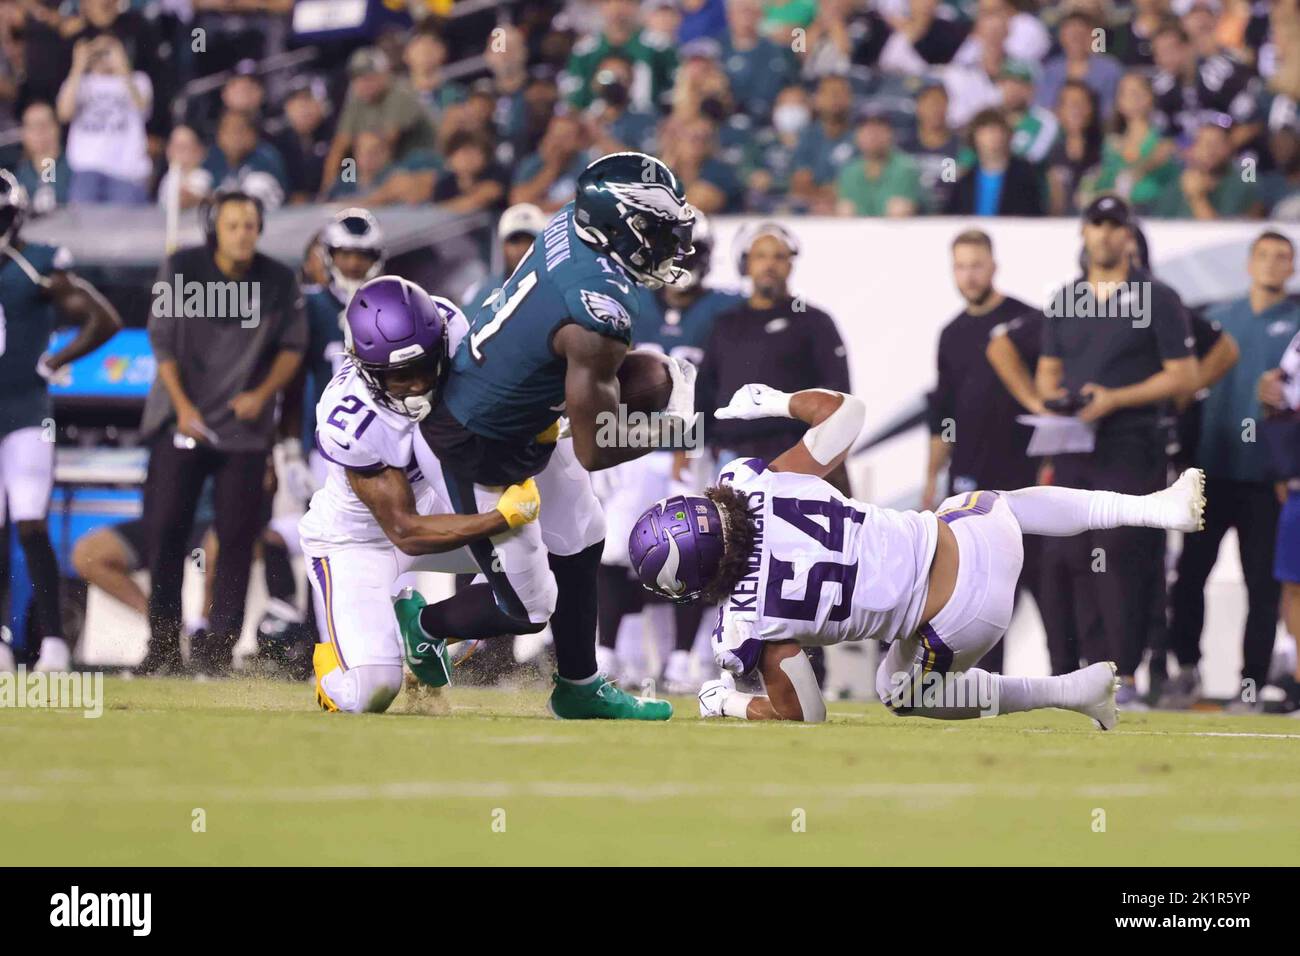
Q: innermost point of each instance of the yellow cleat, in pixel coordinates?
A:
(323, 661)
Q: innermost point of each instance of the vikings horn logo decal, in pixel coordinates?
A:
(667, 578)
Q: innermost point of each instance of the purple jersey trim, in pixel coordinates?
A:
(977, 503)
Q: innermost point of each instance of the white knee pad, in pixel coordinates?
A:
(540, 602)
(367, 689)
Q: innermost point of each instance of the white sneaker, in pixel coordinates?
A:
(1097, 685)
(6, 658)
(55, 657)
(677, 675)
(1181, 506)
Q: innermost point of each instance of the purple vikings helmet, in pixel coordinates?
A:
(677, 546)
(393, 324)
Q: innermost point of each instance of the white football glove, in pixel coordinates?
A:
(293, 471)
(713, 693)
(55, 376)
(681, 403)
(756, 401)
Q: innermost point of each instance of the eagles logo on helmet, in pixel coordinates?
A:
(352, 230)
(631, 207)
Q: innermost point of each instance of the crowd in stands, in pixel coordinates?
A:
(852, 107)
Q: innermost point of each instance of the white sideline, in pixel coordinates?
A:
(568, 790)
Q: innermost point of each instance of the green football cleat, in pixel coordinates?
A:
(602, 699)
(426, 657)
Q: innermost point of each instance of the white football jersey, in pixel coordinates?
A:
(354, 432)
(824, 569)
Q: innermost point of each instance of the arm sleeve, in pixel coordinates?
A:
(1205, 332)
(1026, 334)
(941, 399)
(706, 382)
(294, 333)
(1050, 348)
(1169, 322)
(164, 330)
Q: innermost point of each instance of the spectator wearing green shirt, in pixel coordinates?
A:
(621, 33)
(1033, 128)
(1212, 185)
(757, 68)
(1138, 161)
(884, 181)
(825, 146)
(376, 102)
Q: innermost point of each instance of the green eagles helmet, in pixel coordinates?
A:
(631, 207)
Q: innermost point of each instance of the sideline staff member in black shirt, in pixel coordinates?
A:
(772, 338)
(228, 330)
(973, 427)
(1120, 341)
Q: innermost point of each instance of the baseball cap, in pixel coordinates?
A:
(704, 48)
(1107, 209)
(1184, 7)
(1017, 70)
(368, 59)
(522, 218)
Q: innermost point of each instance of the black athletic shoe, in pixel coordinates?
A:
(161, 661)
(210, 655)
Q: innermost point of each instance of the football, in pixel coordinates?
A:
(643, 381)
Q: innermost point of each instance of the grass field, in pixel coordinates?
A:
(279, 782)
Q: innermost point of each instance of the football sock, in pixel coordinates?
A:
(280, 583)
(686, 622)
(991, 694)
(472, 615)
(573, 624)
(619, 596)
(1061, 512)
(43, 569)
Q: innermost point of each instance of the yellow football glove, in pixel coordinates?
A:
(520, 504)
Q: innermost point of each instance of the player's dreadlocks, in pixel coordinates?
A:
(738, 535)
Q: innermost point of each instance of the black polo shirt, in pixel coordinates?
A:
(791, 347)
(1121, 343)
(988, 445)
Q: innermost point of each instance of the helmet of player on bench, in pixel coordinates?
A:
(13, 208)
(677, 547)
(396, 335)
(631, 207)
(352, 230)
